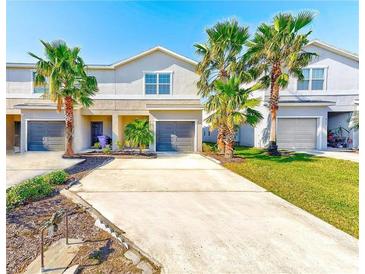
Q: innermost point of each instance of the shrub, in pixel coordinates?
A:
(138, 134)
(57, 177)
(96, 145)
(209, 147)
(119, 145)
(29, 190)
(107, 149)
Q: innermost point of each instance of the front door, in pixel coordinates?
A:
(96, 130)
(17, 133)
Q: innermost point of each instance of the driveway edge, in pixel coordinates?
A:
(108, 226)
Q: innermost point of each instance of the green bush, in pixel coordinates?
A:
(29, 190)
(107, 149)
(57, 177)
(209, 147)
(120, 145)
(96, 145)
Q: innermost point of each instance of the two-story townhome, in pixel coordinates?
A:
(158, 85)
(313, 113)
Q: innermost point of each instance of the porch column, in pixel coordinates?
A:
(116, 130)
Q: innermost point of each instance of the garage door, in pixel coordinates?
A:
(44, 135)
(297, 133)
(175, 136)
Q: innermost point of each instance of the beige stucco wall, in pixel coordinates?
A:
(124, 80)
(82, 131)
(10, 128)
(176, 115)
(134, 105)
(18, 81)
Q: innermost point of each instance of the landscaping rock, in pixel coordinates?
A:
(133, 256)
(145, 267)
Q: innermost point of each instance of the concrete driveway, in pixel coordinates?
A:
(336, 154)
(21, 166)
(194, 216)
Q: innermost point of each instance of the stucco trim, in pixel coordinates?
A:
(157, 48)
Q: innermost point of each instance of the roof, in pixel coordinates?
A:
(122, 62)
(342, 52)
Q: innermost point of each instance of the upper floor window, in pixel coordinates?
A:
(314, 79)
(39, 88)
(157, 83)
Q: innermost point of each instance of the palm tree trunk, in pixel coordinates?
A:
(221, 130)
(69, 117)
(274, 106)
(229, 142)
(220, 140)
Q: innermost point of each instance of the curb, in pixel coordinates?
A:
(103, 223)
(211, 159)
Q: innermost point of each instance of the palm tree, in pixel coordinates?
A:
(68, 82)
(220, 58)
(233, 106)
(277, 51)
(354, 120)
(138, 134)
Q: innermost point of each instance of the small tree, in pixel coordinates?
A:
(232, 106)
(277, 51)
(138, 134)
(220, 59)
(68, 82)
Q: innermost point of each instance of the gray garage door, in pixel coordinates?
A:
(175, 136)
(44, 135)
(297, 133)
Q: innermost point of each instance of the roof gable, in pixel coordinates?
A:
(335, 50)
(152, 50)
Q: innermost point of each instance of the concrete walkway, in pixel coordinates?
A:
(341, 155)
(194, 216)
(21, 166)
(57, 257)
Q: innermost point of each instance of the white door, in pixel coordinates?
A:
(297, 133)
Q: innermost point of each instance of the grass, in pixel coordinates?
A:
(327, 188)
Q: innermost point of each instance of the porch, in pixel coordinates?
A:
(339, 135)
(110, 125)
(13, 124)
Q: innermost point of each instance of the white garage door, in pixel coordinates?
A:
(297, 133)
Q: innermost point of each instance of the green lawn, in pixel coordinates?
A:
(327, 188)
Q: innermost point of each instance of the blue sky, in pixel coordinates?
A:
(108, 31)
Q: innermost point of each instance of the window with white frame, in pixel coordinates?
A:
(314, 79)
(39, 88)
(157, 83)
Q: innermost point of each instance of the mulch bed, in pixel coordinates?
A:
(23, 238)
(223, 160)
(91, 162)
(120, 154)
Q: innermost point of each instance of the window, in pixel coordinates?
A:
(304, 84)
(157, 83)
(39, 89)
(313, 79)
